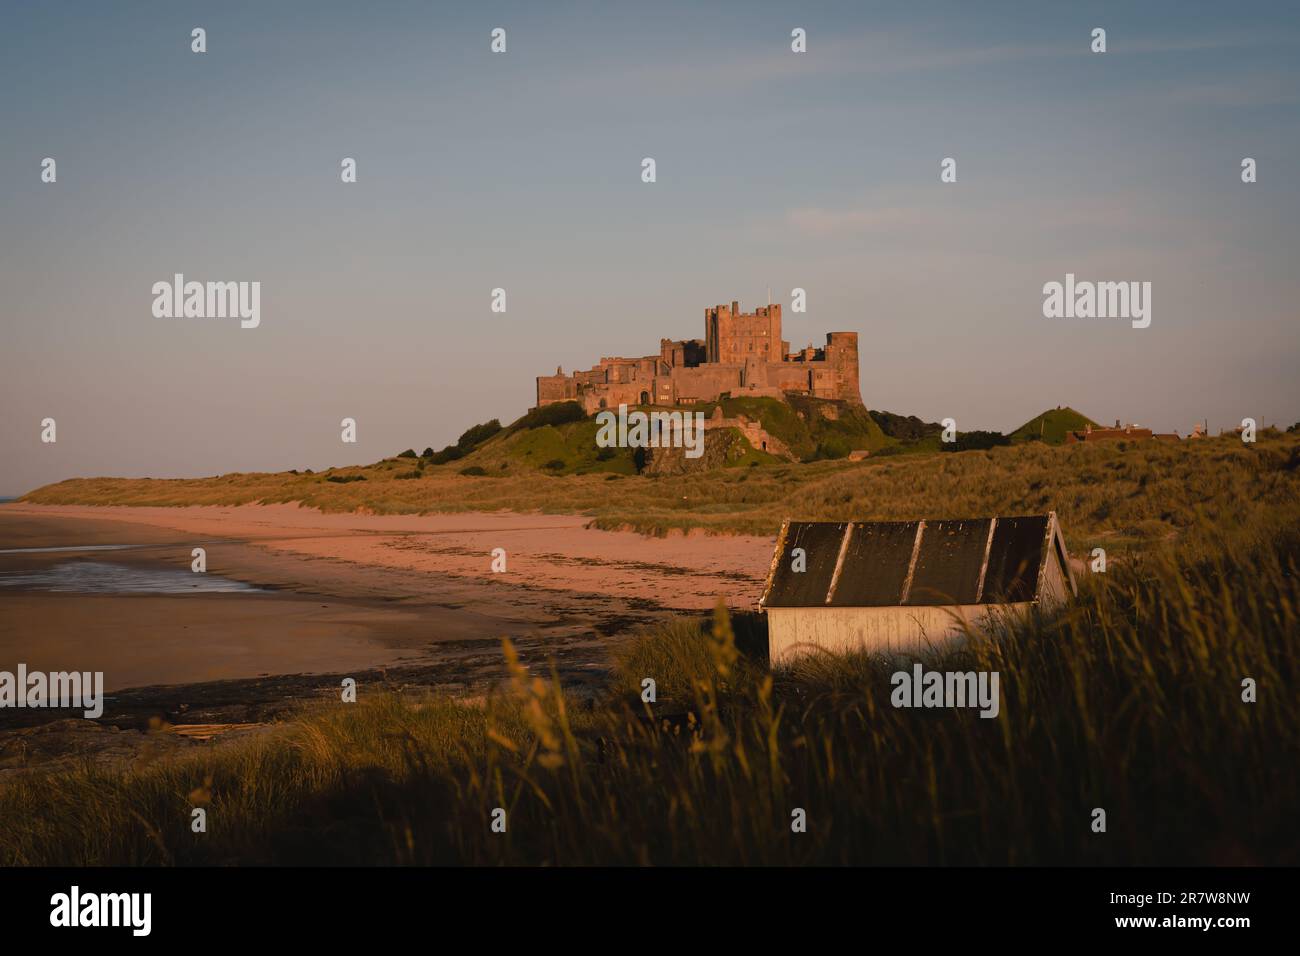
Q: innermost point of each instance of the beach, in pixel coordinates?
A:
(330, 594)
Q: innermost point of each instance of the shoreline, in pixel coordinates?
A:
(410, 599)
(556, 552)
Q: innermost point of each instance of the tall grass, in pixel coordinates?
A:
(1130, 701)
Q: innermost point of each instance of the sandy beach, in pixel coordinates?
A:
(337, 593)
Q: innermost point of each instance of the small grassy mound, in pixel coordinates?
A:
(1052, 425)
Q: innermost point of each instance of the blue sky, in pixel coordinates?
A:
(775, 170)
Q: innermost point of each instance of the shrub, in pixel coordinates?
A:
(473, 471)
(904, 427)
(476, 435)
(558, 414)
(471, 438)
(409, 453)
(831, 447)
(450, 453)
(976, 441)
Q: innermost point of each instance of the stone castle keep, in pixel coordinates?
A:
(742, 353)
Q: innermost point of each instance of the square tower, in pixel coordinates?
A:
(733, 337)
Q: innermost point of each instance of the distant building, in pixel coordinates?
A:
(742, 353)
(1108, 434)
(894, 586)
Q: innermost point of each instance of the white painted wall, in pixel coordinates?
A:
(799, 630)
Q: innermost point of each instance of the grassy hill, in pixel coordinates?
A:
(557, 439)
(1052, 425)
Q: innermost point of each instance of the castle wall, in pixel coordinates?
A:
(704, 383)
(555, 388)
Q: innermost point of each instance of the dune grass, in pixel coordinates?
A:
(1131, 701)
(1116, 495)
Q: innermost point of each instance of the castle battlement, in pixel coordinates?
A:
(742, 353)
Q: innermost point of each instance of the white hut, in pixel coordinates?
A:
(898, 586)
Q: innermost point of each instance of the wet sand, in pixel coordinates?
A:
(558, 552)
(354, 592)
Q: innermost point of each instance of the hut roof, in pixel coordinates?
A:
(907, 563)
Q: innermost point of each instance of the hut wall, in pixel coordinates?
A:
(1054, 590)
(793, 631)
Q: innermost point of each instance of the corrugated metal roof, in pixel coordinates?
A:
(1015, 560)
(948, 564)
(821, 544)
(886, 547)
(911, 563)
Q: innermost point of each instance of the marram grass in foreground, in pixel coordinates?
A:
(1131, 702)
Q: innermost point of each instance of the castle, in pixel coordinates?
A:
(742, 353)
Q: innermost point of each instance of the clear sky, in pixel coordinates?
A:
(775, 170)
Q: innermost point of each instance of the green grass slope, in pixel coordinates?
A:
(813, 429)
(1052, 425)
(568, 448)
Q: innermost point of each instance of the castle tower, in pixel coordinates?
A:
(732, 337)
(842, 356)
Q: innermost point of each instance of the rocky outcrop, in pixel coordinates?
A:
(721, 446)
